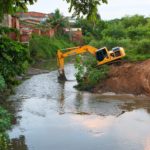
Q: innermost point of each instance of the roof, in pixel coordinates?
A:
(32, 14)
(72, 29)
(31, 20)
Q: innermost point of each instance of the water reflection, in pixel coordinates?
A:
(18, 144)
(96, 125)
(137, 104)
(61, 99)
(147, 144)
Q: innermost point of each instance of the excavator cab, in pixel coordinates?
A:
(104, 55)
(101, 54)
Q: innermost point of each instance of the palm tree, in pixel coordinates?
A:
(57, 21)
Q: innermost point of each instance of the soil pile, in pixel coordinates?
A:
(131, 78)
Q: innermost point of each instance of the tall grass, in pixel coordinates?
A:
(43, 47)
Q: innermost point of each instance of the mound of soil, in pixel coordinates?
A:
(130, 78)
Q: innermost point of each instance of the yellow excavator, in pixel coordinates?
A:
(102, 55)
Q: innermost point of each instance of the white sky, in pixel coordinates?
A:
(114, 8)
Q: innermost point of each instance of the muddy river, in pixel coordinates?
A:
(55, 116)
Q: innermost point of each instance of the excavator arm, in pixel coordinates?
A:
(71, 52)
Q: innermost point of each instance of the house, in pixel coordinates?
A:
(75, 34)
(6, 21)
(27, 23)
(11, 22)
(32, 16)
(30, 21)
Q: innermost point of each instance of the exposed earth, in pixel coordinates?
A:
(130, 78)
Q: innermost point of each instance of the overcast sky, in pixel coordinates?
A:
(114, 8)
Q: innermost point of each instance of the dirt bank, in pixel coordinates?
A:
(131, 78)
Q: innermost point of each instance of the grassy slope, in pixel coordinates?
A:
(42, 47)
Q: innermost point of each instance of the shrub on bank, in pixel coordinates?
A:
(143, 46)
(14, 59)
(43, 47)
(2, 83)
(132, 33)
(88, 73)
(5, 124)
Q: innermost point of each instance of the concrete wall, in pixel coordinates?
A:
(7, 22)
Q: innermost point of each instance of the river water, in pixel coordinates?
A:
(55, 116)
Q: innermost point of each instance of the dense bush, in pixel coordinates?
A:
(13, 59)
(2, 83)
(43, 47)
(132, 33)
(5, 124)
(5, 120)
(143, 46)
(88, 73)
(6, 30)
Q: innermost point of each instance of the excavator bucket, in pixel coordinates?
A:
(62, 76)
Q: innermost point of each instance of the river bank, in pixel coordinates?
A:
(129, 78)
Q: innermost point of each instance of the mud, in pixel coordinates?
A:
(130, 78)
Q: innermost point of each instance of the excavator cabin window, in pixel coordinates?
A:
(101, 54)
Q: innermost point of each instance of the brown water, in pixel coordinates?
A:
(55, 116)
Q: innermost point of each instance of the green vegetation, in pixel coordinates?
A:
(5, 120)
(58, 21)
(11, 6)
(43, 47)
(5, 30)
(14, 59)
(2, 83)
(132, 33)
(88, 73)
(5, 124)
(86, 8)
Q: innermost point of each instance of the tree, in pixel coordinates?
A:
(81, 7)
(11, 6)
(85, 7)
(57, 20)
